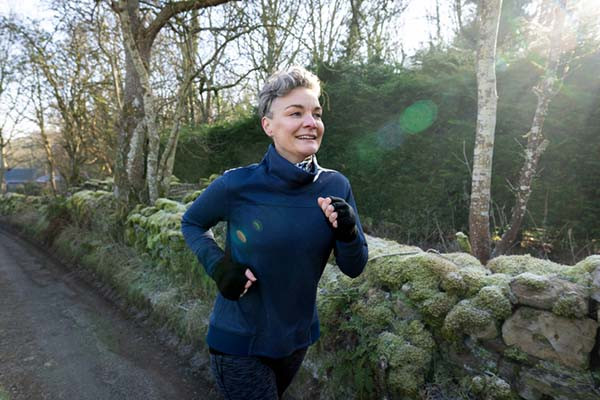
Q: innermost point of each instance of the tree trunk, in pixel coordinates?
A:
(129, 165)
(48, 151)
(41, 122)
(137, 125)
(354, 39)
(167, 160)
(2, 165)
(487, 100)
(141, 69)
(546, 89)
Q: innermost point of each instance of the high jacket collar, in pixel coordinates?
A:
(288, 173)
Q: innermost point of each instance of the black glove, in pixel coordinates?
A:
(230, 277)
(346, 220)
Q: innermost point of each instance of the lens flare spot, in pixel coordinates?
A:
(240, 235)
(390, 135)
(257, 225)
(418, 117)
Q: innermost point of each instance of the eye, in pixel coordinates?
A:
(296, 114)
(317, 115)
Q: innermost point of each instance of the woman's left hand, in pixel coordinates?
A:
(341, 216)
(328, 210)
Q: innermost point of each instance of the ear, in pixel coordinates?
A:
(266, 125)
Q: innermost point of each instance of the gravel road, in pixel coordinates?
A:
(59, 339)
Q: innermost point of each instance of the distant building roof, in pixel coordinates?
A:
(20, 175)
(46, 178)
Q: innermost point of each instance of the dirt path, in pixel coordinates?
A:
(59, 339)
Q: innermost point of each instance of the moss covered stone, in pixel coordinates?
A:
(570, 305)
(374, 312)
(190, 197)
(494, 300)
(464, 260)
(406, 355)
(515, 265)
(532, 281)
(467, 318)
(437, 306)
(169, 205)
(500, 280)
(491, 388)
(588, 264)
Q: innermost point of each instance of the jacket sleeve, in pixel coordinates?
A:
(206, 211)
(351, 257)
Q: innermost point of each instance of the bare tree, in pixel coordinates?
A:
(487, 101)
(12, 102)
(326, 24)
(205, 70)
(549, 85)
(140, 27)
(369, 24)
(40, 109)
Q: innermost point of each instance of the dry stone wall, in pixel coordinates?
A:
(416, 323)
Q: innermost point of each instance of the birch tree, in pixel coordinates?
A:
(549, 85)
(487, 101)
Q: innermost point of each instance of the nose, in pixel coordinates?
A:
(309, 121)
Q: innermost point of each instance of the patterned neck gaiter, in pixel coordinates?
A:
(307, 164)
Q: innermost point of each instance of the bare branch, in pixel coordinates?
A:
(174, 8)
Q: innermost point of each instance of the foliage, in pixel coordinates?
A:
(96, 210)
(212, 149)
(156, 231)
(414, 186)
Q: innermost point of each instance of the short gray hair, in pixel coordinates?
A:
(281, 83)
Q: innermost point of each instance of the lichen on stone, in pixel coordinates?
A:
(569, 305)
(532, 281)
(491, 388)
(516, 354)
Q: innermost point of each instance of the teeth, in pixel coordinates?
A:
(307, 137)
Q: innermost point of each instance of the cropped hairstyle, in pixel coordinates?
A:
(281, 83)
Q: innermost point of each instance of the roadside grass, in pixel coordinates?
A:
(182, 302)
(181, 306)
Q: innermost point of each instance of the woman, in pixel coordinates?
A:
(284, 216)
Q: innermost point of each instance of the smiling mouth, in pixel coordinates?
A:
(307, 137)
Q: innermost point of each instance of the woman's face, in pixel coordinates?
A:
(295, 124)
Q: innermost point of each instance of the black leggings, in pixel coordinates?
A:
(252, 377)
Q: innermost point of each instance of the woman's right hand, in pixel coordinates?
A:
(249, 282)
(233, 280)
